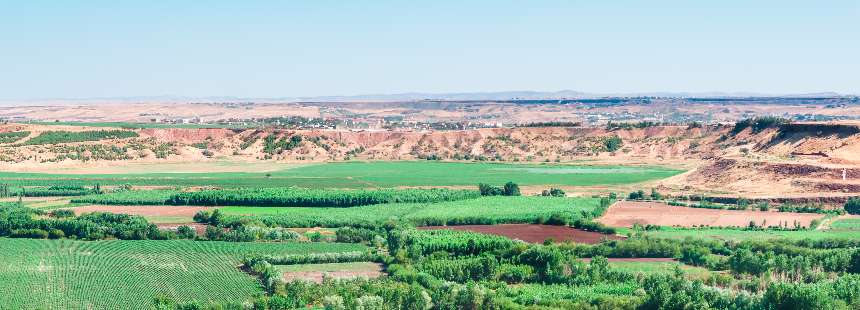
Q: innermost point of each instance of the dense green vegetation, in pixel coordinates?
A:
(462, 270)
(852, 206)
(67, 274)
(54, 137)
(48, 191)
(365, 175)
(297, 197)
(129, 197)
(18, 221)
(14, 136)
(487, 210)
(758, 124)
(279, 197)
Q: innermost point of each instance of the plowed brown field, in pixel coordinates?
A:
(143, 210)
(627, 213)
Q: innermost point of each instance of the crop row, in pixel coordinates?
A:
(296, 197)
(67, 274)
(280, 197)
(485, 210)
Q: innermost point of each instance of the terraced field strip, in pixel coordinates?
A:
(116, 274)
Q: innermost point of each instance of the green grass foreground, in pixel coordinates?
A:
(122, 274)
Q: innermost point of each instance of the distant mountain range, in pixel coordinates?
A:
(416, 96)
(533, 95)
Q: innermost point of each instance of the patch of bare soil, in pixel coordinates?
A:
(143, 210)
(318, 276)
(533, 233)
(628, 213)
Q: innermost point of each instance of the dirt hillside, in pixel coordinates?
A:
(789, 161)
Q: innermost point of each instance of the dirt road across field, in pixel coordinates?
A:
(628, 213)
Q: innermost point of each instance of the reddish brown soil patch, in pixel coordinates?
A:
(627, 213)
(317, 276)
(534, 233)
(143, 210)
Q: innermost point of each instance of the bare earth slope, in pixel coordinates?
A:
(801, 162)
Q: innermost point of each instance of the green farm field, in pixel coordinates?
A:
(851, 224)
(646, 267)
(740, 234)
(497, 209)
(359, 175)
(67, 274)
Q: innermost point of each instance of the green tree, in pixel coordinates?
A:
(512, 189)
(853, 206)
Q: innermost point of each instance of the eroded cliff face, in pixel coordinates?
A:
(800, 159)
(793, 159)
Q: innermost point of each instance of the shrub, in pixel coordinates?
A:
(758, 124)
(553, 192)
(202, 216)
(61, 213)
(489, 190)
(512, 189)
(853, 206)
(637, 195)
(612, 144)
(29, 233)
(56, 234)
(186, 232)
(655, 195)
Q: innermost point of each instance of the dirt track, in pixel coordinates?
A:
(627, 213)
(533, 233)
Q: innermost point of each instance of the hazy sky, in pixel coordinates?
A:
(51, 49)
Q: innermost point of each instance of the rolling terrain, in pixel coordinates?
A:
(799, 162)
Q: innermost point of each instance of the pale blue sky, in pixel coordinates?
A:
(51, 49)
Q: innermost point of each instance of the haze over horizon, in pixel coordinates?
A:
(263, 49)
